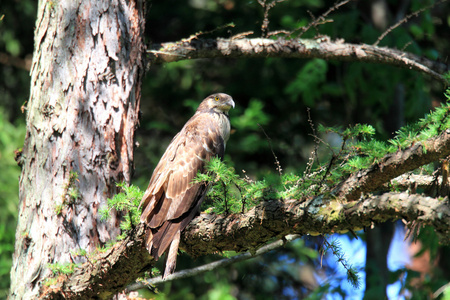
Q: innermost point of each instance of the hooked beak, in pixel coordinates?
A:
(231, 103)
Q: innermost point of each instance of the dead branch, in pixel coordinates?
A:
(295, 48)
(320, 20)
(266, 6)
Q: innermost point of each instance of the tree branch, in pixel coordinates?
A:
(209, 234)
(407, 181)
(406, 19)
(393, 165)
(106, 274)
(195, 48)
(112, 271)
(273, 218)
(321, 18)
(212, 266)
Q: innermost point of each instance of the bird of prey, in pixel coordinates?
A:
(172, 200)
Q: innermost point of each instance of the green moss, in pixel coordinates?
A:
(50, 281)
(66, 268)
(333, 210)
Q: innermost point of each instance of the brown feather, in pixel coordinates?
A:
(171, 200)
(159, 215)
(171, 260)
(169, 234)
(167, 231)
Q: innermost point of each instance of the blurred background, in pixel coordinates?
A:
(273, 94)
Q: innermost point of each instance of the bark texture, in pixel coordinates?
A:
(324, 48)
(208, 234)
(81, 117)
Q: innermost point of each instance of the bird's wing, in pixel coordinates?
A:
(171, 196)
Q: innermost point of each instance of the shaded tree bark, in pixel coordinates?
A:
(81, 117)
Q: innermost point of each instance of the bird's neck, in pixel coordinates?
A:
(223, 121)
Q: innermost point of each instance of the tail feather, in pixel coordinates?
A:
(171, 260)
(162, 238)
(149, 240)
(168, 235)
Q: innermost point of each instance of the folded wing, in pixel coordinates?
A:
(171, 200)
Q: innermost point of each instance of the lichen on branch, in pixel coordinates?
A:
(322, 47)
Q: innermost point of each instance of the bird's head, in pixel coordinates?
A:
(219, 102)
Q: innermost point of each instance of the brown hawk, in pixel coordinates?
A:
(171, 200)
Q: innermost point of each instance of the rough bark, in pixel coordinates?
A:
(81, 116)
(209, 234)
(324, 48)
(106, 274)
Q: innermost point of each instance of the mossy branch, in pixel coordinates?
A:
(208, 234)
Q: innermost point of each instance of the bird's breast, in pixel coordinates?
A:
(224, 126)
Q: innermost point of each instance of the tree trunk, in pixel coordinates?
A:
(81, 117)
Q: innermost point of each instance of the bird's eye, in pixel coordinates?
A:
(216, 98)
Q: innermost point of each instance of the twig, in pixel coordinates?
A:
(195, 36)
(276, 32)
(321, 18)
(405, 19)
(327, 171)
(279, 169)
(241, 35)
(225, 196)
(316, 142)
(352, 276)
(330, 165)
(441, 290)
(266, 7)
(406, 45)
(413, 230)
(317, 22)
(212, 266)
